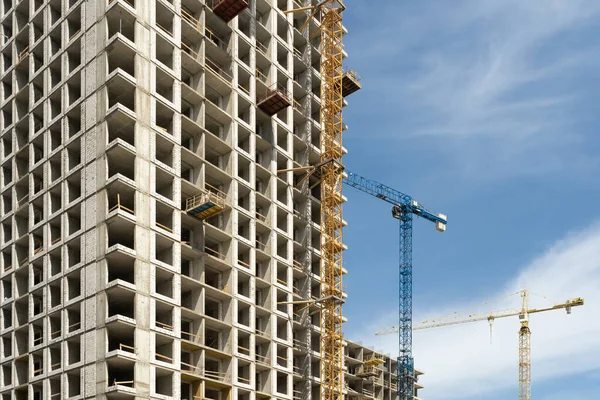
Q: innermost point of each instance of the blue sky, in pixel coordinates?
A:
(485, 111)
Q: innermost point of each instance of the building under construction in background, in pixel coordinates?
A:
(149, 248)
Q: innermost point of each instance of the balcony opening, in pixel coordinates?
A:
(55, 326)
(243, 375)
(74, 220)
(243, 168)
(163, 349)
(122, 268)
(73, 384)
(55, 74)
(55, 388)
(213, 308)
(164, 183)
(164, 84)
(121, 338)
(282, 274)
(55, 290)
(282, 301)
(74, 90)
(282, 220)
(38, 303)
(7, 145)
(164, 283)
(164, 118)
(282, 359)
(164, 217)
(124, 130)
(121, 302)
(55, 231)
(122, 57)
(74, 187)
(73, 285)
(37, 361)
(164, 18)
(73, 122)
(7, 346)
(55, 263)
(163, 248)
(163, 317)
(164, 382)
(121, 91)
(7, 317)
(74, 23)
(73, 351)
(121, 374)
(164, 52)
(74, 56)
(37, 272)
(122, 234)
(212, 339)
(121, 162)
(282, 383)
(243, 286)
(164, 150)
(121, 23)
(243, 316)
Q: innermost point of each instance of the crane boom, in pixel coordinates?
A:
(403, 209)
(393, 197)
(456, 320)
(524, 331)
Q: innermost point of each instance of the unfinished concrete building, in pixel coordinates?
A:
(371, 374)
(148, 245)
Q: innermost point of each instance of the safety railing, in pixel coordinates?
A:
(217, 40)
(260, 359)
(218, 70)
(262, 77)
(123, 383)
(214, 253)
(124, 347)
(120, 206)
(163, 357)
(191, 20)
(263, 49)
(243, 350)
(261, 217)
(188, 49)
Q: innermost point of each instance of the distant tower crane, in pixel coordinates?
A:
(524, 332)
(403, 209)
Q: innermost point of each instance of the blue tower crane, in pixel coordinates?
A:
(403, 209)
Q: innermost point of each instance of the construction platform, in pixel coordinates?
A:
(205, 205)
(274, 100)
(351, 82)
(229, 9)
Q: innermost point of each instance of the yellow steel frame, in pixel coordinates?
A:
(332, 351)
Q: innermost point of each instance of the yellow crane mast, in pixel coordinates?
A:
(524, 331)
(330, 171)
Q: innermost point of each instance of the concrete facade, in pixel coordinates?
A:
(114, 113)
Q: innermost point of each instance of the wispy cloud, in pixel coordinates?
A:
(503, 78)
(460, 362)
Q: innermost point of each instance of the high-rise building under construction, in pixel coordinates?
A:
(149, 247)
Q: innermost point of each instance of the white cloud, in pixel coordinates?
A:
(500, 85)
(459, 361)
